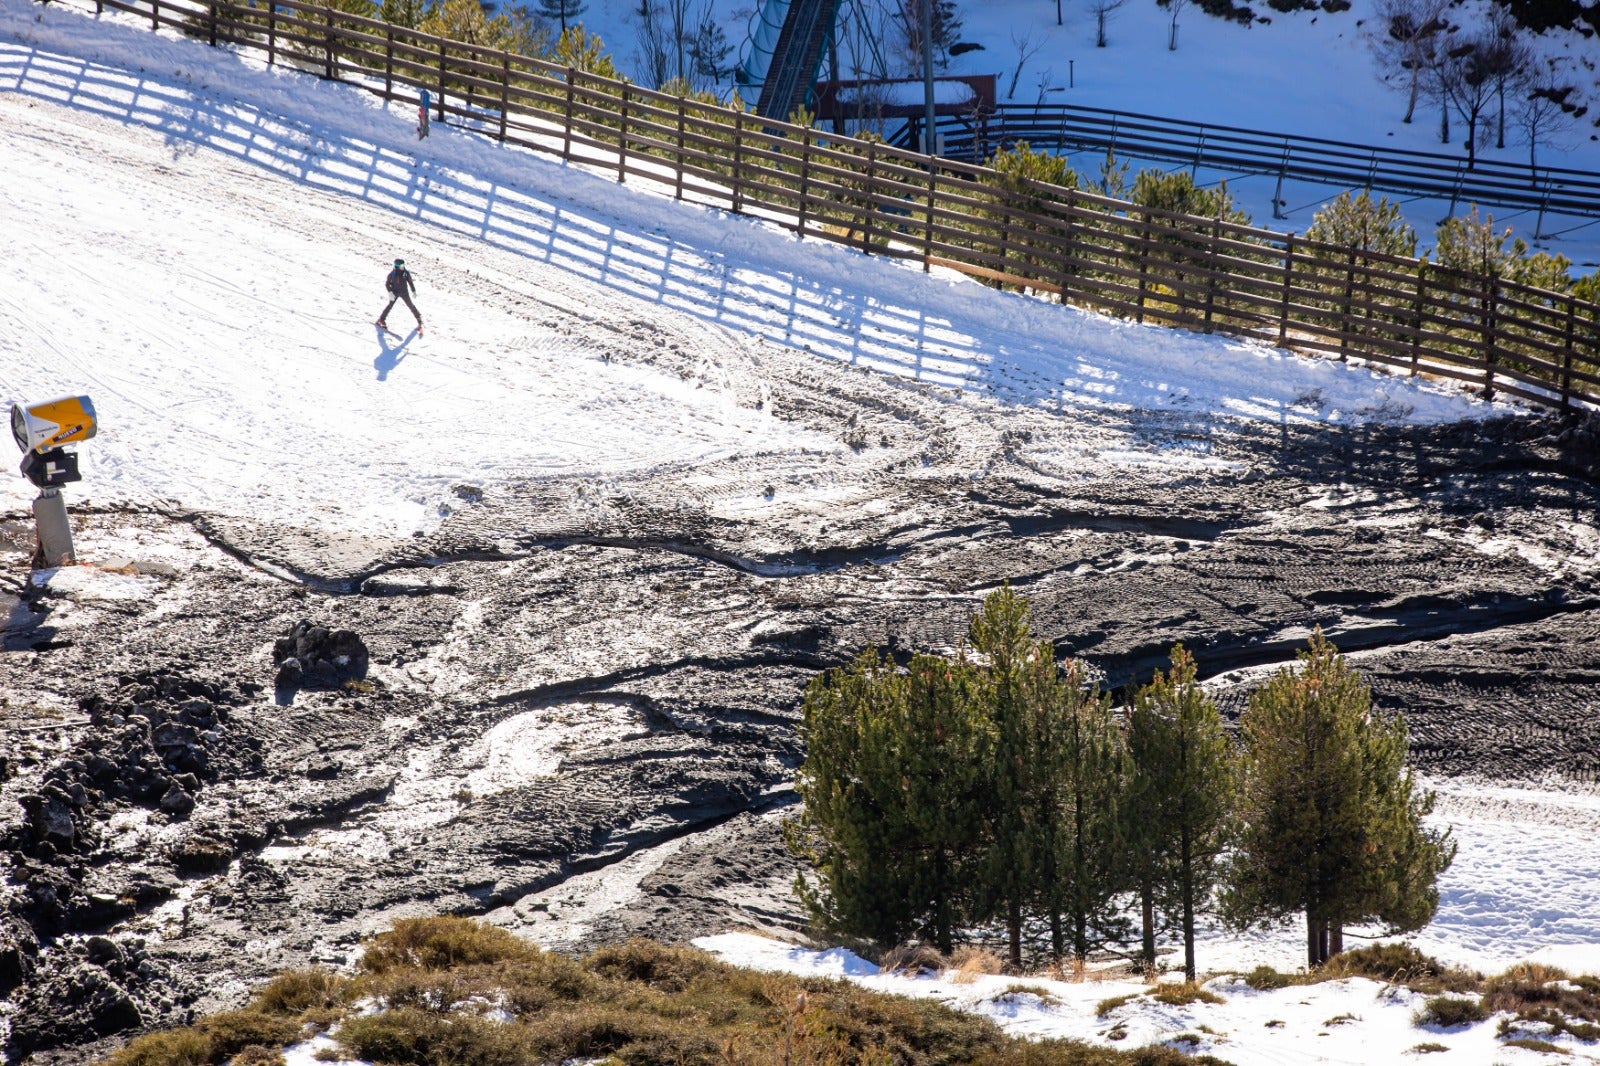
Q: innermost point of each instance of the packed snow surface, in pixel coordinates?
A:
(199, 244)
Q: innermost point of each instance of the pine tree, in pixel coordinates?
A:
(585, 51)
(1356, 222)
(1330, 820)
(1177, 803)
(892, 788)
(1018, 687)
(1083, 869)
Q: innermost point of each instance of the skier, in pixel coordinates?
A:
(400, 287)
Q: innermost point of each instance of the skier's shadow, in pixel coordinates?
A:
(390, 356)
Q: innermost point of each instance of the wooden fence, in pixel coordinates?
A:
(1081, 248)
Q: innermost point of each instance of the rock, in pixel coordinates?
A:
(50, 818)
(289, 673)
(321, 657)
(177, 802)
(18, 954)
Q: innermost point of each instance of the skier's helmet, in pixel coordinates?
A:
(399, 263)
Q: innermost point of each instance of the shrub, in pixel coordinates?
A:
(1397, 964)
(440, 943)
(1184, 994)
(1265, 979)
(177, 1047)
(969, 962)
(1428, 1048)
(1450, 1011)
(1530, 1044)
(648, 963)
(1106, 1006)
(913, 958)
(1038, 991)
(297, 991)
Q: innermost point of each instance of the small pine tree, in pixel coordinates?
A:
(1330, 820)
(407, 13)
(892, 787)
(465, 21)
(1176, 808)
(585, 51)
(1083, 870)
(1178, 193)
(1356, 222)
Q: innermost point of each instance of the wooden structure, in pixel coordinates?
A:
(1152, 266)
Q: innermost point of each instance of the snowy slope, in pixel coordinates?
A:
(199, 244)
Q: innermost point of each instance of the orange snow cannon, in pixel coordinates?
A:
(39, 427)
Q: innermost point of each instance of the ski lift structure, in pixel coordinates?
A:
(790, 42)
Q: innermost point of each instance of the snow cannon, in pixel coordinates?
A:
(42, 430)
(40, 427)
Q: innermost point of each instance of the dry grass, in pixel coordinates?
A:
(1400, 964)
(1181, 995)
(1447, 1012)
(427, 986)
(968, 963)
(913, 958)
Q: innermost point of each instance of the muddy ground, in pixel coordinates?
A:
(578, 715)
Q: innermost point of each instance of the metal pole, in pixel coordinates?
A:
(927, 73)
(55, 531)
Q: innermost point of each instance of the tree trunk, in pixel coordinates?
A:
(1058, 936)
(1186, 859)
(1335, 939)
(1147, 914)
(1411, 102)
(1014, 931)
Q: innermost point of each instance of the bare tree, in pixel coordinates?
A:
(1102, 10)
(1465, 82)
(1509, 61)
(1026, 50)
(1174, 9)
(1543, 112)
(1404, 43)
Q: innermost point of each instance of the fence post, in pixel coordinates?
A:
(1069, 235)
(1144, 263)
(805, 177)
(211, 15)
(1344, 316)
(505, 92)
(622, 137)
(155, 14)
(1421, 303)
(328, 45)
(566, 137)
(677, 190)
(927, 236)
(1288, 275)
(440, 109)
(388, 61)
(1489, 293)
(867, 208)
(1211, 271)
(738, 161)
(1566, 357)
(272, 33)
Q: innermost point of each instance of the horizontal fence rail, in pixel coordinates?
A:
(1153, 266)
(1065, 127)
